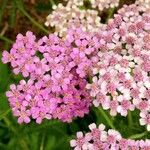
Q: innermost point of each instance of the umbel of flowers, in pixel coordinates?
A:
(56, 70)
(100, 139)
(121, 79)
(74, 15)
(120, 84)
(71, 16)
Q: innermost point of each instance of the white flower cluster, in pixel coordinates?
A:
(144, 4)
(102, 4)
(71, 16)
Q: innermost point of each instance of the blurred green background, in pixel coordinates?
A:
(19, 16)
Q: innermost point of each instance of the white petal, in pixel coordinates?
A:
(142, 122)
(73, 143)
(95, 71)
(101, 126)
(148, 127)
(79, 134)
(92, 126)
(96, 103)
(113, 112)
(88, 86)
(102, 72)
(119, 109)
(143, 115)
(147, 84)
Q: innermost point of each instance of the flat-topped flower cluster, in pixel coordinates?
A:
(75, 14)
(56, 70)
(121, 79)
(71, 15)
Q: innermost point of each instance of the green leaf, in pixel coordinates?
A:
(3, 146)
(4, 77)
(4, 114)
(34, 127)
(4, 106)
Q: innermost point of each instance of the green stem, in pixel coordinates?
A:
(33, 21)
(108, 120)
(42, 141)
(9, 124)
(130, 121)
(6, 39)
(111, 12)
(138, 136)
(90, 79)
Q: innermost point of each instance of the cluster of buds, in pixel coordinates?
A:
(100, 139)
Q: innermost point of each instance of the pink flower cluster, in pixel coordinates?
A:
(36, 100)
(121, 84)
(121, 79)
(59, 57)
(57, 69)
(131, 29)
(99, 139)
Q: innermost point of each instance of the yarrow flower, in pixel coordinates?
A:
(99, 139)
(60, 56)
(121, 79)
(57, 70)
(120, 84)
(100, 4)
(34, 100)
(129, 30)
(71, 16)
